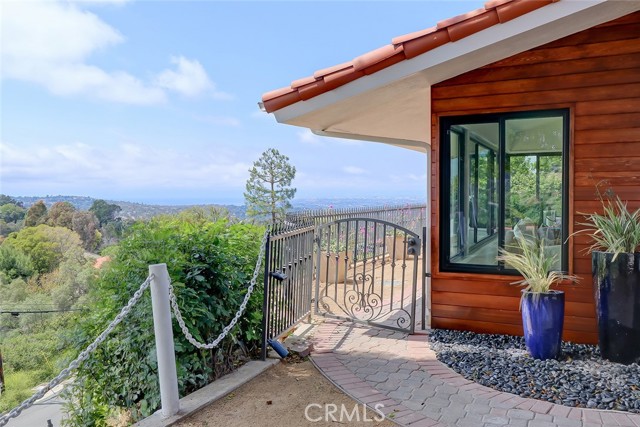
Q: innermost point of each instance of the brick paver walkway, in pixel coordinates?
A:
(400, 371)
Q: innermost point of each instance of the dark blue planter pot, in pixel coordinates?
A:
(616, 286)
(542, 321)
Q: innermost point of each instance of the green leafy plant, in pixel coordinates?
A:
(535, 265)
(617, 230)
(210, 265)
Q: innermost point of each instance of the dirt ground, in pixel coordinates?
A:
(280, 396)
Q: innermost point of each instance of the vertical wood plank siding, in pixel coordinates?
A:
(594, 73)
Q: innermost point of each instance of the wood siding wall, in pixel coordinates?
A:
(594, 73)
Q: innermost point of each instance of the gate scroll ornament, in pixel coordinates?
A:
(367, 272)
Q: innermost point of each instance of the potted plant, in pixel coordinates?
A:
(542, 307)
(395, 244)
(334, 260)
(615, 268)
(333, 267)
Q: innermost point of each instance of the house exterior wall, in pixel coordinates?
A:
(596, 75)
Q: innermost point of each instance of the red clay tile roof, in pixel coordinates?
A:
(400, 49)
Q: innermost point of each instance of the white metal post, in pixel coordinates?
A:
(164, 340)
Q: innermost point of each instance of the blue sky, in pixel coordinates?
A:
(156, 101)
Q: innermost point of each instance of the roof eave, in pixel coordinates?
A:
(538, 27)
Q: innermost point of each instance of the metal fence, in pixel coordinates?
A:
(367, 272)
(290, 263)
(412, 217)
(288, 279)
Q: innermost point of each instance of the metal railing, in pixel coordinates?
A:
(412, 217)
(288, 279)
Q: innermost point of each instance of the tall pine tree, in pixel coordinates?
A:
(268, 189)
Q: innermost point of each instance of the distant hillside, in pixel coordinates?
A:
(129, 210)
(353, 202)
(142, 211)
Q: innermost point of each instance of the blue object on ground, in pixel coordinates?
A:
(279, 348)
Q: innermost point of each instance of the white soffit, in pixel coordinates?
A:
(393, 105)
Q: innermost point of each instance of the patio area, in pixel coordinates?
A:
(401, 372)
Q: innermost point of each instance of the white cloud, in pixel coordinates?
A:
(124, 165)
(49, 43)
(188, 79)
(353, 170)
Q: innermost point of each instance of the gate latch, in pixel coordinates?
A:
(413, 246)
(278, 275)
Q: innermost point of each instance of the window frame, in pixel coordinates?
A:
(446, 122)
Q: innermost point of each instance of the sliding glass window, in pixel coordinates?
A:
(504, 178)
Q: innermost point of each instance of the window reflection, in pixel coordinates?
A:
(530, 150)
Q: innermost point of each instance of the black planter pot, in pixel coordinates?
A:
(616, 286)
(542, 322)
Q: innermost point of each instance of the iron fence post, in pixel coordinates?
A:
(424, 278)
(265, 299)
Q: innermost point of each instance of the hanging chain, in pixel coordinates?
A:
(243, 306)
(81, 358)
(4, 419)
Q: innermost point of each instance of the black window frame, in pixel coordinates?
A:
(446, 122)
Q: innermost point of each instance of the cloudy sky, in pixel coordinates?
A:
(156, 101)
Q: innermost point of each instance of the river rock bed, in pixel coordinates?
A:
(579, 378)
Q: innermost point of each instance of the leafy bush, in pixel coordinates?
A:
(210, 264)
(18, 388)
(46, 246)
(36, 352)
(32, 358)
(14, 263)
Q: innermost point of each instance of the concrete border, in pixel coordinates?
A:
(210, 393)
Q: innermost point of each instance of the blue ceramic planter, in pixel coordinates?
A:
(616, 286)
(542, 321)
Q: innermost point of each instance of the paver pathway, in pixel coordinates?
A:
(400, 372)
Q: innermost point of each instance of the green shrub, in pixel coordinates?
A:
(14, 263)
(18, 387)
(210, 264)
(35, 352)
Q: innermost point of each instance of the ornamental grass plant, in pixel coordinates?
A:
(535, 265)
(616, 230)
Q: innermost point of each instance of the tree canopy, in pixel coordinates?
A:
(4, 199)
(46, 246)
(104, 211)
(60, 214)
(268, 189)
(86, 225)
(10, 212)
(36, 215)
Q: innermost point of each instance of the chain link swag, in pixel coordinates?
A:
(81, 358)
(4, 419)
(243, 306)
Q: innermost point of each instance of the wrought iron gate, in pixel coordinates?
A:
(288, 280)
(367, 272)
